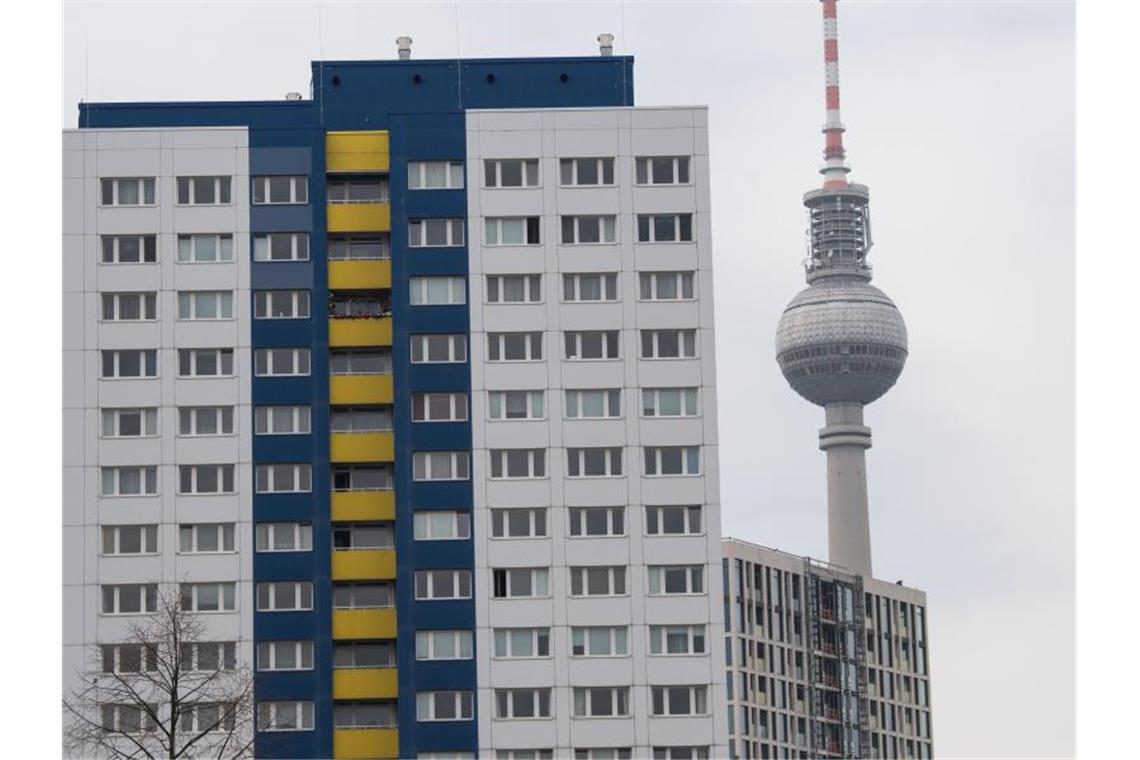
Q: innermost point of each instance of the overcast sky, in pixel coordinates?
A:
(960, 119)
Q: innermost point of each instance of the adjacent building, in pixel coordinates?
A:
(407, 388)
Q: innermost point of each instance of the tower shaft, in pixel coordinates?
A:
(845, 440)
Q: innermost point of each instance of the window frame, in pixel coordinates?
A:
(463, 640)
(298, 189)
(460, 577)
(417, 232)
(454, 171)
(576, 462)
(302, 537)
(697, 697)
(419, 290)
(148, 421)
(498, 401)
(299, 302)
(225, 474)
(494, 166)
(608, 282)
(109, 245)
(574, 398)
(653, 279)
(580, 523)
(682, 223)
(460, 523)
(658, 579)
(501, 525)
(223, 248)
(147, 597)
(268, 664)
(540, 637)
(188, 358)
(148, 479)
(265, 360)
(302, 472)
(531, 289)
(271, 601)
(193, 413)
(422, 463)
(148, 363)
(573, 345)
(222, 189)
(225, 533)
(266, 716)
(572, 224)
(580, 577)
(145, 187)
(265, 418)
(497, 345)
(691, 464)
(223, 301)
(263, 247)
(647, 178)
(146, 301)
(463, 704)
(493, 228)
(654, 336)
(655, 519)
(688, 397)
(659, 636)
(147, 539)
(581, 641)
(226, 594)
(604, 166)
(422, 350)
(582, 698)
(504, 581)
(499, 461)
(456, 402)
(541, 700)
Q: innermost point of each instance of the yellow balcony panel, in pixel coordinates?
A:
(357, 151)
(357, 743)
(364, 624)
(359, 217)
(363, 506)
(360, 389)
(360, 275)
(363, 447)
(363, 564)
(360, 333)
(364, 683)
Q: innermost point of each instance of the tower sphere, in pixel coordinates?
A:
(841, 339)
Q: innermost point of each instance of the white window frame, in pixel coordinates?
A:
(187, 248)
(608, 286)
(148, 360)
(678, 228)
(223, 473)
(688, 402)
(116, 711)
(426, 705)
(462, 645)
(263, 247)
(690, 461)
(542, 702)
(267, 475)
(387, 590)
(222, 356)
(531, 288)
(659, 640)
(111, 250)
(145, 188)
(453, 174)
(456, 404)
(350, 469)
(460, 578)
(189, 303)
(268, 715)
(265, 301)
(611, 398)
(694, 575)
(687, 752)
(500, 460)
(265, 362)
(529, 169)
(340, 190)
(266, 535)
(493, 230)
(424, 528)
(358, 536)
(417, 232)
(147, 597)
(537, 580)
(582, 698)
(194, 415)
(698, 700)
(111, 540)
(576, 462)
(298, 189)
(601, 164)
(272, 604)
(266, 418)
(197, 717)
(226, 594)
(424, 464)
(222, 190)
(582, 640)
(341, 247)
(457, 348)
(655, 518)
(111, 420)
(497, 405)
(572, 224)
(497, 346)
(112, 656)
(573, 345)
(579, 523)
(649, 286)
(579, 576)
(225, 535)
(503, 643)
(686, 339)
(645, 174)
(354, 648)
(147, 475)
(338, 356)
(603, 753)
(267, 655)
(537, 522)
(222, 656)
(420, 290)
(146, 302)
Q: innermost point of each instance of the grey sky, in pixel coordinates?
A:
(960, 118)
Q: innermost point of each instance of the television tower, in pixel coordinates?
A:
(841, 342)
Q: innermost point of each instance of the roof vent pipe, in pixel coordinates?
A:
(404, 47)
(606, 43)
(292, 96)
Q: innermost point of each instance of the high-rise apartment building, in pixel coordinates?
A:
(407, 391)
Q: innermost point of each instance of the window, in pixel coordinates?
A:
(518, 463)
(679, 700)
(510, 172)
(205, 304)
(440, 465)
(203, 717)
(599, 641)
(128, 658)
(511, 230)
(583, 230)
(284, 537)
(359, 248)
(514, 288)
(281, 304)
(673, 520)
(444, 705)
(127, 191)
(285, 655)
(130, 423)
(284, 716)
(593, 462)
(439, 407)
(205, 362)
(208, 597)
(442, 525)
(284, 478)
(205, 249)
(360, 654)
(669, 402)
(205, 538)
(521, 643)
(278, 596)
(355, 536)
(357, 190)
(205, 478)
(677, 639)
(374, 362)
(439, 349)
(129, 481)
(597, 581)
(676, 579)
(364, 715)
(130, 598)
(525, 522)
(672, 460)
(664, 228)
(361, 419)
(593, 404)
(362, 478)
(281, 420)
(280, 189)
(203, 191)
(597, 521)
(524, 754)
(130, 249)
(438, 291)
(130, 539)
(444, 645)
(281, 246)
(205, 420)
(435, 175)
(662, 170)
(129, 718)
(515, 405)
(592, 344)
(601, 702)
(364, 596)
(208, 656)
(514, 347)
(603, 753)
(435, 233)
(589, 287)
(281, 362)
(666, 286)
(586, 171)
(129, 307)
(129, 363)
(515, 704)
(680, 753)
(668, 344)
(520, 582)
(443, 584)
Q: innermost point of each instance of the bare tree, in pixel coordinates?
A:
(162, 691)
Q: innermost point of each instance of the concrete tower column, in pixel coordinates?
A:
(845, 439)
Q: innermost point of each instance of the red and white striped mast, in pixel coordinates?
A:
(835, 168)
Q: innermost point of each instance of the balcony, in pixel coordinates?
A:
(358, 151)
(367, 274)
(359, 217)
(365, 742)
(360, 333)
(363, 506)
(364, 683)
(362, 447)
(360, 389)
(363, 564)
(364, 624)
